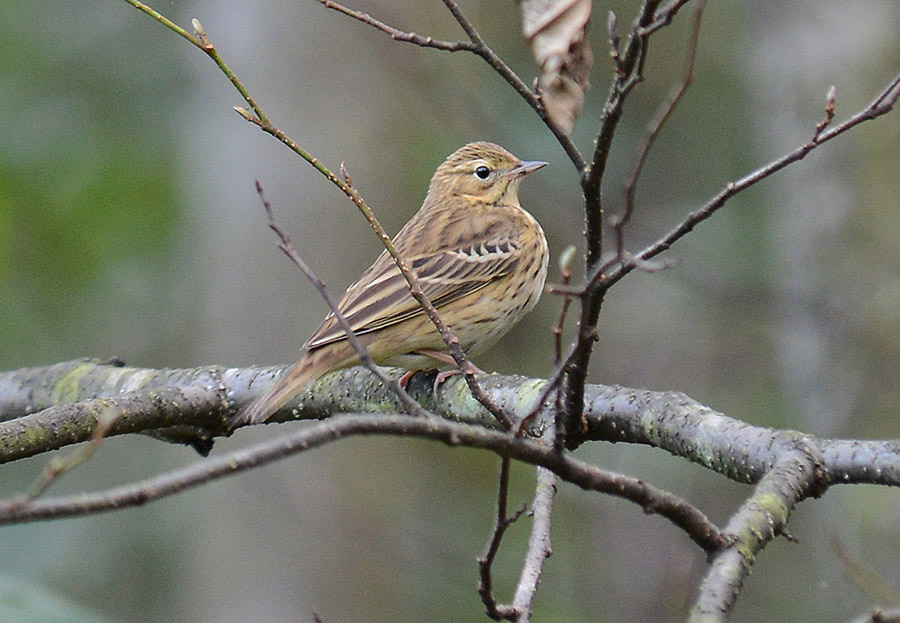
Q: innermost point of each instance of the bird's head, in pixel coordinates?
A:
(481, 172)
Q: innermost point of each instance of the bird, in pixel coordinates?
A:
(480, 259)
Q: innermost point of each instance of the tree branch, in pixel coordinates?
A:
(663, 113)
(539, 548)
(881, 105)
(665, 420)
(287, 247)
(795, 475)
(399, 35)
(256, 116)
(628, 73)
(584, 475)
(55, 406)
(502, 521)
(605, 276)
(476, 45)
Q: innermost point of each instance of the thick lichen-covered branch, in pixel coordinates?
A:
(51, 407)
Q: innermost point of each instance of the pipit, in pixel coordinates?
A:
(479, 257)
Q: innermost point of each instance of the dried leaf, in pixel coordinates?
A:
(556, 31)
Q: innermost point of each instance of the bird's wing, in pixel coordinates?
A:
(474, 256)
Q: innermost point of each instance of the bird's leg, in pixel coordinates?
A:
(443, 375)
(403, 380)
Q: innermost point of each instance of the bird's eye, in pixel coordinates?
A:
(482, 172)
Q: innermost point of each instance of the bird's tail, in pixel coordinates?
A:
(312, 365)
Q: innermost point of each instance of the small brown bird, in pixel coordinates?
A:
(480, 258)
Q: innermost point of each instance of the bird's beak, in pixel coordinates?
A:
(525, 168)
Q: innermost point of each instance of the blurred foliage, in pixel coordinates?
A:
(89, 209)
(24, 603)
(129, 226)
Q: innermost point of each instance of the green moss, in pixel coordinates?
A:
(68, 388)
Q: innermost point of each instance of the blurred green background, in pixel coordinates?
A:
(129, 226)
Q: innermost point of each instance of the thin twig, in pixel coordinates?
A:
(664, 15)
(162, 19)
(476, 45)
(565, 274)
(57, 466)
(881, 105)
(399, 35)
(663, 113)
(415, 290)
(629, 72)
(491, 58)
(539, 547)
(211, 52)
(287, 246)
(651, 499)
(256, 116)
(502, 522)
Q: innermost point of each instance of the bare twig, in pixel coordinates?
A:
(663, 113)
(57, 466)
(256, 116)
(162, 19)
(415, 290)
(399, 35)
(629, 72)
(664, 15)
(565, 273)
(476, 45)
(210, 50)
(830, 104)
(651, 499)
(287, 246)
(539, 548)
(502, 521)
(881, 105)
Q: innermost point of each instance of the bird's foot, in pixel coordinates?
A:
(443, 375)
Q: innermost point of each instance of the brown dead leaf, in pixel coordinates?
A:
(556, 31)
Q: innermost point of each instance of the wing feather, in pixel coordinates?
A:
(478, 254)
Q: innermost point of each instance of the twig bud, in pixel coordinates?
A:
(612, 33)
(830, 104)
(565, 261)
(245, 113)
(346, 174)
(832, 95)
